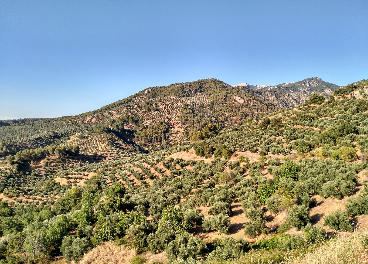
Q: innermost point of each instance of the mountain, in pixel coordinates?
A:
(280, 186)
(295, 93)
(163, 115)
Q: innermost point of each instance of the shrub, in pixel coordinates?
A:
(228, 249)
(220, 208)
(315, 98)
(338, 188)
(345, 153)
(185, 246)
(357, 205)
(173, 219)
(257, 222)
(193, 217)
(338, 221)
(138, 260)
(314, 234)
(285, 226)
(273, 204)
(282, 242)
(5, 210)
(298, 216)
(74, 248)
(158, 241)
(289, 170)
(265, 191)
(218, 222)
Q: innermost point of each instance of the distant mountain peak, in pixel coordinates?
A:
(312, 84)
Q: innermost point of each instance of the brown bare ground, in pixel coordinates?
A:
(61, 181)
(189, 155)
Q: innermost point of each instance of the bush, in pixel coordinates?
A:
(338, 188)
(137, 260)
(338, 221)
(344, 153)
(265, 191)
(228, 249)
(256, 224)
(173, 219)
(298, 216)
(218, 222)
(220, 208)
(74, 248)
(158, 241)
(192, 218)
(289, 170)
(315, 98)
(281, 242)
(357, 205)
(285, 226)
(273, 204)
(185, 246)
(314, 234)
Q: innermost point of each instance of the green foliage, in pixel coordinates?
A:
(351, 87)
(228, 249)
(358, 205)
(71, 200)
(115, 225)
(219, 222)
(345, 153)
(73, 248)
(223, 151)
(192, 218)
(303, 146)
(281, 242)
(204, 150)
(289, 170)
(314, 234)
(185, 246)
(338, 188)
(173, 219)
(156, 133)
(256, 224)
(265, 191)
(315, 98)
(208, 131)
(5, 210)
(265, 122)
(220, 208)
(137, 260)
(338, 221)
(159, 240)
(298, 216)
(273, 204)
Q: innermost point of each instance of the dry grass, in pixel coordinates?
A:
(347, 248)
(109, 253)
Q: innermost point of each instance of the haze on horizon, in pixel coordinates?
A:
(66, 58)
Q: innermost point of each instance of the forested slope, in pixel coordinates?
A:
(267, 189)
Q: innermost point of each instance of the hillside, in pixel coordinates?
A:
(157, 116)
(295, 93)
(268, 188)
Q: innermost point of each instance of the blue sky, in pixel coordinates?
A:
(68, 57)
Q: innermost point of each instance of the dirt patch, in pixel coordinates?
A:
(61, 181)
(189, 155)
(253, 157)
